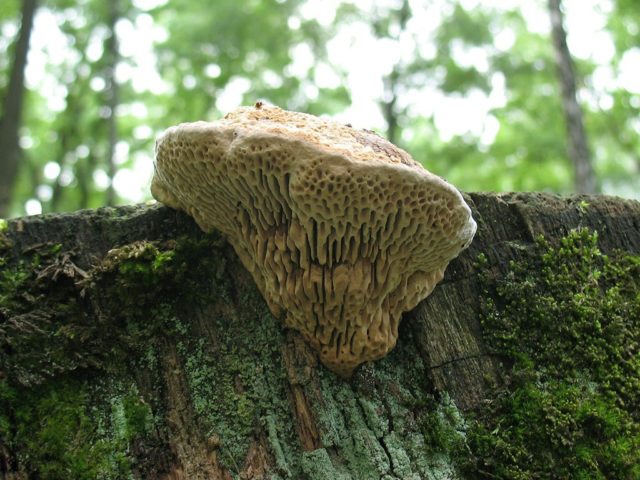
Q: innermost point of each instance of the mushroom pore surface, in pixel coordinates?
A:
(339, 228)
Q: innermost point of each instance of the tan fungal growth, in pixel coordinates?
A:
(339, 228)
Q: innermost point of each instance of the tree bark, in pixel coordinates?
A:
(12, 110)
(577, 145)
(188, 375)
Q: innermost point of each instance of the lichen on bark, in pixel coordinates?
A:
(160, 358)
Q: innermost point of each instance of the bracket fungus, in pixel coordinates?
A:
(339, 228)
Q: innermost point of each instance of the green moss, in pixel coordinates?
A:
(12, 279)
(583, 206)
(140, 273)
(442, 426)
(34, 309)
(400, 463)
(59, 433)
(372, 410)
(5, 244)
(48, 336)
(16, 277)
(567, 320)
(135, 416)
(55, 248)
(276, 446)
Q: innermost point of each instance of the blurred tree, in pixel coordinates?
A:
(12, 109)
(112, 94)
(466, 72)
(472, 92)
(528, 151)
(105, 119)
(490, 59)
(392, 24)
(76, 138)
(584, 177)
(76, 131)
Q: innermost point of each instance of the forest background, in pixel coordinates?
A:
(487, 94)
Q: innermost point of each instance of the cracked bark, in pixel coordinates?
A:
(300, 420)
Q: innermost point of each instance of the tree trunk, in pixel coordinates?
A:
(12, 110)
(134, 346)
(389, 105)
(113, 97)
(392, 80)
(578, 148)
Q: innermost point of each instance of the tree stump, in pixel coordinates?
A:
(132, 345)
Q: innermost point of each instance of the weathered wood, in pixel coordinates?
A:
(232, 394)
(446, 323)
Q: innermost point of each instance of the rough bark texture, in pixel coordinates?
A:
(169, 349)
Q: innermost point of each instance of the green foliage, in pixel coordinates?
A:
(240, 42)
(212, 55)
(461, 28)
(9, 10)
(208, 48)
(526, 153)
(567, 319)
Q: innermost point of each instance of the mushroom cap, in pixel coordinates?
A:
(339, 228)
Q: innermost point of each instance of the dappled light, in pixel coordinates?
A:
(470, 89)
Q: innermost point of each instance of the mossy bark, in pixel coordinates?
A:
(134, 346)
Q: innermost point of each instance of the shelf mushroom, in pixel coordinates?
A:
(340, 229)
